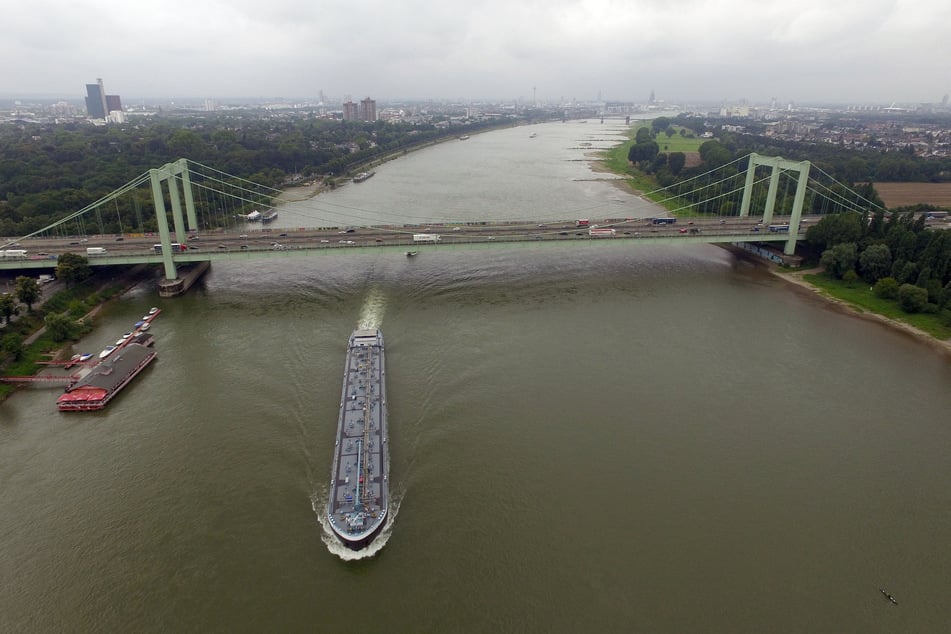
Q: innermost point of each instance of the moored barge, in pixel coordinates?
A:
(106, 379)
(359, 482)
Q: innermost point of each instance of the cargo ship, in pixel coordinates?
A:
(106, 379)
(359, 482)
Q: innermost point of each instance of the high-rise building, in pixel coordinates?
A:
(349, 110)
(96, 100)
(368, 110)
(98, 103)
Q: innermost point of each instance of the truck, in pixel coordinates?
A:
(425, 237)
(663, 221)
(15, 254)
(582, 222)
(602, 233)
(95, 251)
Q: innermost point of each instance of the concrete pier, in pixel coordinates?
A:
(181, 284)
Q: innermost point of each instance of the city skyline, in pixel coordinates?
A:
(683, 50)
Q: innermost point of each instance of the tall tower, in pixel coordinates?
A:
(368, 109)
(96, 100)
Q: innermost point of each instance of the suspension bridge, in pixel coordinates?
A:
(185, 213)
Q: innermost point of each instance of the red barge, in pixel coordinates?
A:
(106, 379)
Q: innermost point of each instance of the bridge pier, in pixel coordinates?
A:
(184, 281)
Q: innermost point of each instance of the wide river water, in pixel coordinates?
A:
(584, 437)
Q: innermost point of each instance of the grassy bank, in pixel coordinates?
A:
(859, 296)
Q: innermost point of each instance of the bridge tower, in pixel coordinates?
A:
(777, 164)
(171, 173)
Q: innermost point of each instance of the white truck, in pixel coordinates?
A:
(95, 251)
(425, 237)
(602, 233)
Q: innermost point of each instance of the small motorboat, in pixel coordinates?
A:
(411, 254)
(145, 327)
(73, 360)
(888, 596)
(107, 351)
(153, 310)
(86, 356)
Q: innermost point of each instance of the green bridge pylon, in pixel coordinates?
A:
(777, 163)
(171, 173)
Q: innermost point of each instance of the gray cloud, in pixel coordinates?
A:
(850, 50)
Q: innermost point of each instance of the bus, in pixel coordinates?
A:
(779, 228)
(16, 254)
(176, 247)
(663, 221)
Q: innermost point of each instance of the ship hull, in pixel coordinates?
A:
(359, 483)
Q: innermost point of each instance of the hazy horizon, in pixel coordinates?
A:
(684, 51)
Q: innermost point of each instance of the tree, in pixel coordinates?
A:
(12, 345)
(911, 298)
(8, 307)
(875, 262)
(28, 291)
(59, 325)
(840, 259)
(676, 162)
(835, 229)
(886, 288)
(643, 135)
(643, 152)
(73, 268)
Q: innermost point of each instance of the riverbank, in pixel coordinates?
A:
(796, 279)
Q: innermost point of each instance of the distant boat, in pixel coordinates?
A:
(107, 351)
(362, 176)
(269, 216)
(464, 137)
(532, 135)
(254, 216)
(411, 254)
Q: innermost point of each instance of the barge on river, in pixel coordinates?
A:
(359, 484)
(107, 378)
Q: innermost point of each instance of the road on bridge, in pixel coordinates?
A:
(259, 238)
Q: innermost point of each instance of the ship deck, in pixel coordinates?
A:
(359, 482)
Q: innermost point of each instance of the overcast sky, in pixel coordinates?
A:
(843, 51)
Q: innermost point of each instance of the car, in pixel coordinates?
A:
(379, 239)
(120, 239)
(457, 228)
(349, 230)
(347, 242)
(754, 229)
(325, 241)
(277, 246)
(282, 235)
(243, 236)
(562, 233)
(683, 230)
(722, 222)
(627, 233)
(194, 237)
(222, 246)
(244, 247)
(491, 237)
(70, 244)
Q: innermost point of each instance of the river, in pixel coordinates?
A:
(583, 438)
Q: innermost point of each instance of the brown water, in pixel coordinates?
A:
(650, 439)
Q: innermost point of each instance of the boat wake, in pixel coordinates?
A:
(318, 502)
(371, 315)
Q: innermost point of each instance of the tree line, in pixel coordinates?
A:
(48, 170)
